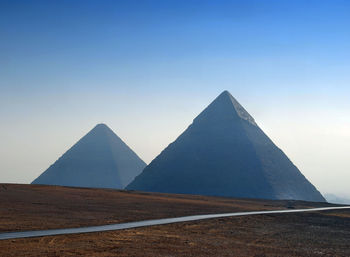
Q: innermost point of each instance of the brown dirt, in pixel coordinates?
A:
(29, 207)
(38, 207)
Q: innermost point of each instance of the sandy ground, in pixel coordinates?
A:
(25, 207)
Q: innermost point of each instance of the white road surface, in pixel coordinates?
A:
(146, 223)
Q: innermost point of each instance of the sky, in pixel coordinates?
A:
(148, 68)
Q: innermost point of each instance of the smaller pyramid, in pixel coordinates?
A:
(100, 159)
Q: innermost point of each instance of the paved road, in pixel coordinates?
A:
(145, 223)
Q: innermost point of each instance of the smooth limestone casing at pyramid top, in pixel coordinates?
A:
(100, 159)
(224, 153)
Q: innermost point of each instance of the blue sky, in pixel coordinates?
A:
(147, 68)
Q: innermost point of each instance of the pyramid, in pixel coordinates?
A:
(99, 159)
(225, 153)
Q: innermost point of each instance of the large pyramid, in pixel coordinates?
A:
(224, 153)
(99, 159)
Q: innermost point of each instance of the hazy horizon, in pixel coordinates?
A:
(148, 68)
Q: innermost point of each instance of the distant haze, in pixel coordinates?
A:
(147, 68)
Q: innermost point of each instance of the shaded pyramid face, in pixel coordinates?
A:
(99, 159)
(224, 153)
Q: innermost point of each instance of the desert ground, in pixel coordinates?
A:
(31, 207)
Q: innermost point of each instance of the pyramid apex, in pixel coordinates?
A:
(101, 126)
(100, 129)
(225, 92)
(226, 105)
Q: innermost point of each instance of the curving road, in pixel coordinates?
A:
(145, 223)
